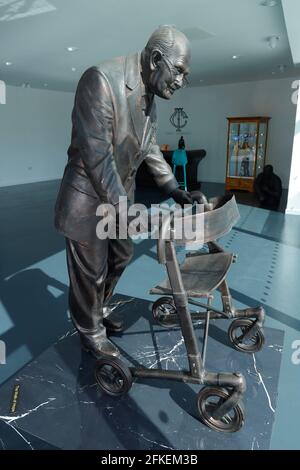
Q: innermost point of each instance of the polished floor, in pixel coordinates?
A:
(60, 404)
(33, 285)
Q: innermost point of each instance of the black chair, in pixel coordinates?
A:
(145, 180)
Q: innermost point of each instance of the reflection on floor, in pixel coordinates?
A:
(60, 403)
(33, 286)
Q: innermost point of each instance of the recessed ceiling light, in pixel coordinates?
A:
(269, 3)
(201, 81)
(72, 48)
(73, 69)
(8, 63)
(235, 57)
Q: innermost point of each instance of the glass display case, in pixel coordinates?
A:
(246, 151)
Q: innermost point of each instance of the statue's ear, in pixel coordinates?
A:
(155, 58)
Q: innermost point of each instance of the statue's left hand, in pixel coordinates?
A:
(199, 197)
(181, 197)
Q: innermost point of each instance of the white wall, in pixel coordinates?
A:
(35, 130)
(208, 107)
(35, 127)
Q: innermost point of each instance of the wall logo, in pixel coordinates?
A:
(179, 119)
(296, 353)
(2, 92)
(295, 86)
(2, 353)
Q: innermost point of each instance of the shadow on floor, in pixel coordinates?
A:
(37, 307)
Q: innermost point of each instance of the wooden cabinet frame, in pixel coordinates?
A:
(246, 183)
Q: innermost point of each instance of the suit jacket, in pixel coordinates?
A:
(111, 136)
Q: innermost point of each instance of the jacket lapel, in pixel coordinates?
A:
(134, 97)
(149, 125)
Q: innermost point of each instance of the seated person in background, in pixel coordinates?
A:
(268, 188)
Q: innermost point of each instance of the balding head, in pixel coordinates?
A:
(166, 61)
(165, 38)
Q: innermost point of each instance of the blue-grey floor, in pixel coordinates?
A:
(33, 285)
(60, 403)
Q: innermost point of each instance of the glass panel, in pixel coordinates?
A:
(242, 149)
(233, 143)
(262, 139)
(247, 149)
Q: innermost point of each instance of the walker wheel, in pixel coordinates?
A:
(165, 313)
(113, 376)
(209, 399)
(237, 331)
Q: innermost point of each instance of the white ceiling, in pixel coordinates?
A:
(35, 33)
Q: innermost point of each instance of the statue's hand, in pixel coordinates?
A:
(199, 197)
(181, 197)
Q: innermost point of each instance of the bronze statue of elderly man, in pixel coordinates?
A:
(114, 130)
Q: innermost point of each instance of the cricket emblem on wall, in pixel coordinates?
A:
(179, 119)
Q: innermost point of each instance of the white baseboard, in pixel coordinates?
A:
(28, 181)
(292, 212)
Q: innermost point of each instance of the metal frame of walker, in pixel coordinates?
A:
(246, 330)
(219, 401)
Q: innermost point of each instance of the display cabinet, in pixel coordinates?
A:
(246, 151)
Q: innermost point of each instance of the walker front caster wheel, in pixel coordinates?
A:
(165, 313)
(209, 399)
(113, 376)
(237, 331)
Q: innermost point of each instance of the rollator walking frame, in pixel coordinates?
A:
(219, 401)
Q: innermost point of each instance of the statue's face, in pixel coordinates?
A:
(169, 72)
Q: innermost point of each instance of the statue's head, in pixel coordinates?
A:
(166, 61)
